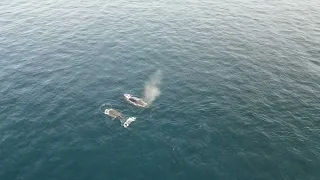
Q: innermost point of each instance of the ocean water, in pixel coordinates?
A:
(240, 90)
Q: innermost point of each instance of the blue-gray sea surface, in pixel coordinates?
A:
(240, 91)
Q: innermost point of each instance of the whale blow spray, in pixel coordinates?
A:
(151, 88)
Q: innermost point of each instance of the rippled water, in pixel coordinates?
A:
(239, 96)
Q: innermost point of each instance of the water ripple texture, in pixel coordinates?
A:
(240, 89)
